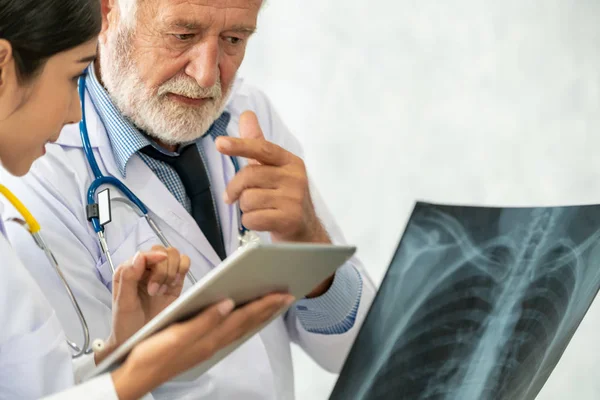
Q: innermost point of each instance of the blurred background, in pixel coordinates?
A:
(465, 102)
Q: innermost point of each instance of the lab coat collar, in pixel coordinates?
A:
(162, 205)
(124, 137)
(144, 183)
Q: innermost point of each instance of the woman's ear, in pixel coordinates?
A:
(10, 95)
(6, 59)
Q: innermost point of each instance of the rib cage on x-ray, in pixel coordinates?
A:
(491, 298)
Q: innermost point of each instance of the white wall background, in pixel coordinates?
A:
(465, 101)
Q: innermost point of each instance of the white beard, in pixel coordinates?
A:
(151, 110)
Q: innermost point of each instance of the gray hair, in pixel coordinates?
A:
(128, 10)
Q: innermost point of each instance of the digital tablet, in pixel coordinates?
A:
(248, 274)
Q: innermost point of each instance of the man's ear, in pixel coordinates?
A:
(109, 10)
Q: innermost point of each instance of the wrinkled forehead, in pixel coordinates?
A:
(170, 9)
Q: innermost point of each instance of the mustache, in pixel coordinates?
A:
(188, 87)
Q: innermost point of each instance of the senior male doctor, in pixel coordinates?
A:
(160, 102)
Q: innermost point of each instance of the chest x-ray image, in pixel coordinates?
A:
(477, 303)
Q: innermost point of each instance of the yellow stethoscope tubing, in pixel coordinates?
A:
(34, 228)
(33, 225)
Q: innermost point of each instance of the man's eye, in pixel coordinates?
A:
(184, 37)
(233, 39)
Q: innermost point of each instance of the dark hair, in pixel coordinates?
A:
(39, 29)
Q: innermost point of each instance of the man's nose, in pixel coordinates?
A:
(204, 63)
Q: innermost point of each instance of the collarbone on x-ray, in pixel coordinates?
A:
(478, 303)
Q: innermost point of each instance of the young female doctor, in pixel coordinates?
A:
(44, 47)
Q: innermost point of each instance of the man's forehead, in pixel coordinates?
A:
(215, 4)
(199, 14)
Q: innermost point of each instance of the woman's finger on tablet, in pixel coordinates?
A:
(187, 344)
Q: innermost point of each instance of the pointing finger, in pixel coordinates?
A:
(250, 129)
(257, 149)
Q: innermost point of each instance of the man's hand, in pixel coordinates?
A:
(142, 287)
(273, 190)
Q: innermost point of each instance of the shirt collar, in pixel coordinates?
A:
(125, 139)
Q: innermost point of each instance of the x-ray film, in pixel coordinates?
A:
(477, 303)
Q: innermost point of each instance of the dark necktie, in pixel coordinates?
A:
(192, 172)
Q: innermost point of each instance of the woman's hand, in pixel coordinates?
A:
(185, 345)
(142, 287)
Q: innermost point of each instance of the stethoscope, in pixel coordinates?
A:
(98, 213)
(94, 209)
(34, 229)
(101, 209)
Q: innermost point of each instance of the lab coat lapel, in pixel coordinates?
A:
(142, 181)
(153, 193)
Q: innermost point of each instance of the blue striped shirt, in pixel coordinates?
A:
(332, 313)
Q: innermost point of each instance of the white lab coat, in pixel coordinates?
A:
(55, 191)
(35, 360)
(98, 388)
